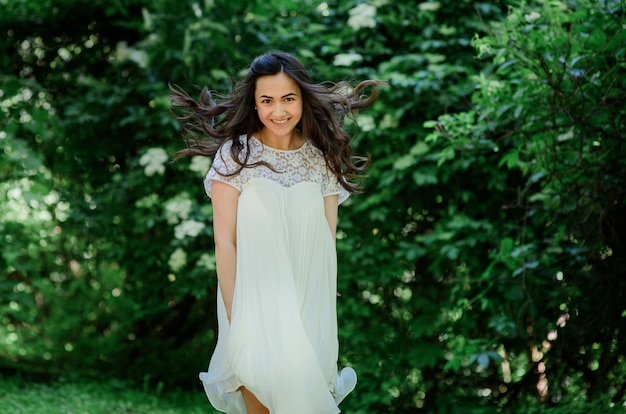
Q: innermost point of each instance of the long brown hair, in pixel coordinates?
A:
(324, 107)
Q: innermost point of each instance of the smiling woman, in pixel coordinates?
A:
(282, 165)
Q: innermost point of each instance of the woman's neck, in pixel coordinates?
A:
(287, 142)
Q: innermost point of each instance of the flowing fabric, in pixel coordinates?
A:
(282, 341)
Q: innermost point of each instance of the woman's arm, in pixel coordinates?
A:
(331, 207)
(225, 198)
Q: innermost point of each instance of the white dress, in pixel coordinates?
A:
(282, 341)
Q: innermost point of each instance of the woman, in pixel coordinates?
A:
(282, 164)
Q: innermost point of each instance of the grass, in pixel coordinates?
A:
(76, 396)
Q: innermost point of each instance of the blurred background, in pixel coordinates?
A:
(482, 270)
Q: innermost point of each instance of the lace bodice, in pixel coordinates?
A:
(305, 164)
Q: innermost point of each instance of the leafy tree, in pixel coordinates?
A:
(547, 293)
(93, 257)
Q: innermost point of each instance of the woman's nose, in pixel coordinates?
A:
(280, 109)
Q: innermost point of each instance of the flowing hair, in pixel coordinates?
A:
(207, 124)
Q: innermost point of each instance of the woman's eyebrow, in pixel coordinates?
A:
(284, 96)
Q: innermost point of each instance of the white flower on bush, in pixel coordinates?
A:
(200, 164)
(178, 259)
(347, 59)
(362, 16)
(532, 17)
(189, 228)
(207, 260)
(124, 53)
(366, 123)
(178, 208)
(153, 161)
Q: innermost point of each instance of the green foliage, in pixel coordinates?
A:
(483, 258)
(92, 208)
(547, 119)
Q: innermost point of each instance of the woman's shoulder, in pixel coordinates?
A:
(225, 150)
(227, 144)
(224, 159)
(314, 154)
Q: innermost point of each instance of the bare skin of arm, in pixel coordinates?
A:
(224, 198)
(331, 207)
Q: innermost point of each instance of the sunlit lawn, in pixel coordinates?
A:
(19, 396)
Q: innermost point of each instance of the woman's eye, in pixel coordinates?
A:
(265, 101)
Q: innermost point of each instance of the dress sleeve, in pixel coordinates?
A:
(331, 186)
(223, 165)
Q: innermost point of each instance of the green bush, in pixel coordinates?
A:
(548, 123)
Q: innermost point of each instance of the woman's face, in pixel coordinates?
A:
(279, 103)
